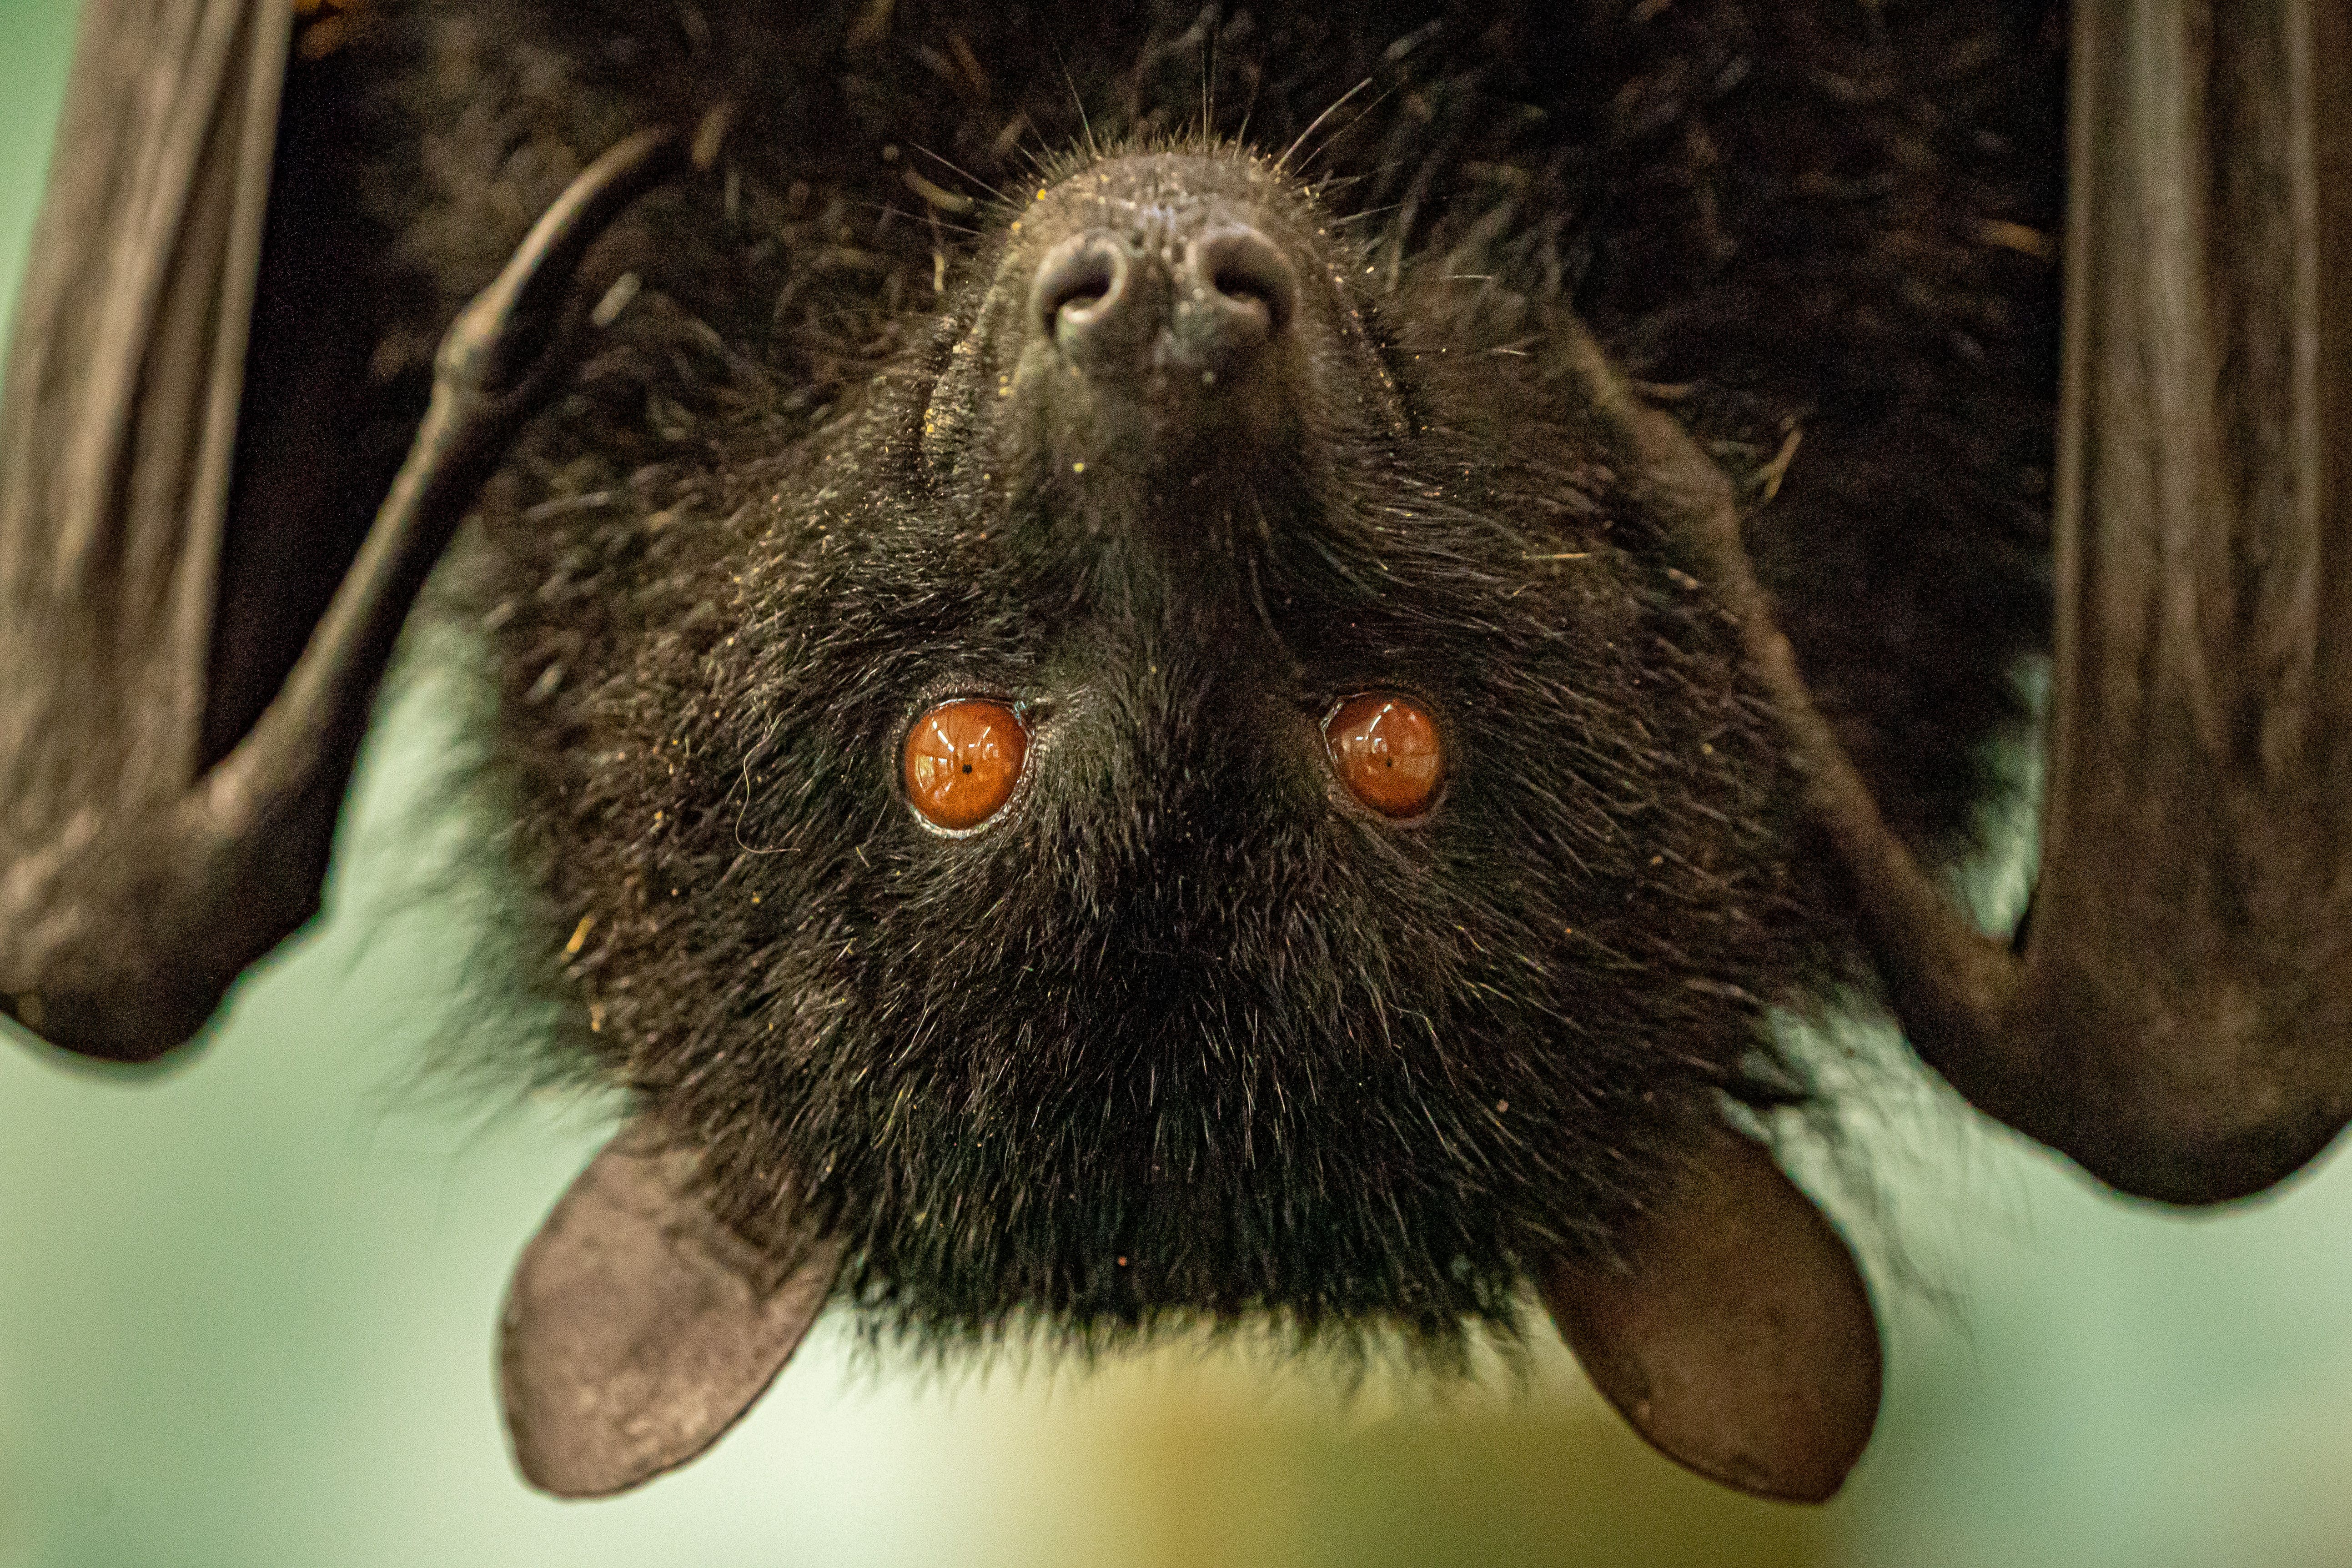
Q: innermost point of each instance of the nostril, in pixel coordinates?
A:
(1083, 284)
(1246, 266)
(1077, 278)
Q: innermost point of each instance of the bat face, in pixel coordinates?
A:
(1187, 1024)
(1168, 745)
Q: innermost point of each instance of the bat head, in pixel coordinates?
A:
(1038, 924)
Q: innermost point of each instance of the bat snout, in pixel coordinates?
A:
(1152, 331)
(1143, 318)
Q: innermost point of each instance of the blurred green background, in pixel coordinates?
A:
(246, 1313)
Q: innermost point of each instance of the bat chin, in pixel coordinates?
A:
(1726, 1318)
(1101, 1249)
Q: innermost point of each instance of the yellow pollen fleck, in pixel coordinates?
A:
(579, 936)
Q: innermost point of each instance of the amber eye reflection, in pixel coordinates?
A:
(961, 761)
(1387, 753)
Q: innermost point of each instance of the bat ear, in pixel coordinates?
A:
(1734, 1333)
(639, 1329)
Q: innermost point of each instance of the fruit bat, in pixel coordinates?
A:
(1170, 666)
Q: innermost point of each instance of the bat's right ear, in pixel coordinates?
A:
(1732, 1330)
(639, 1328)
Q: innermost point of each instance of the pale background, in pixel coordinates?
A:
(246, 1313)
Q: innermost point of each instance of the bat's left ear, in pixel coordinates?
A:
(639, 1329)
(1734, 1331)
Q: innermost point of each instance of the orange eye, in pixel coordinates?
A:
(961, 761)
(1387, 753)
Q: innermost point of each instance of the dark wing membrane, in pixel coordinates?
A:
(196, 607)
(117, 432)
(119, 414)
(2185, 1022)
(2180, 1019)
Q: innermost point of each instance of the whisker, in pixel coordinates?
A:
(1085, 124)
(1002, 200)
(1283, 163)
(1208, 81)
(1358, 120)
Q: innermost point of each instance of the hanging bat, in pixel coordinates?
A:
(1159, 668)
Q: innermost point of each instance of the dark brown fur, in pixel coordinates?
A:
(1182, 1037)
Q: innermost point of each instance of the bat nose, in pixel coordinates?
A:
(1212, 302)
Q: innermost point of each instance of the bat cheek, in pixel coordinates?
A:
(1387, 751)
(961, 761)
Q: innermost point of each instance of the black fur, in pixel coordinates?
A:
(1182, 1035)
